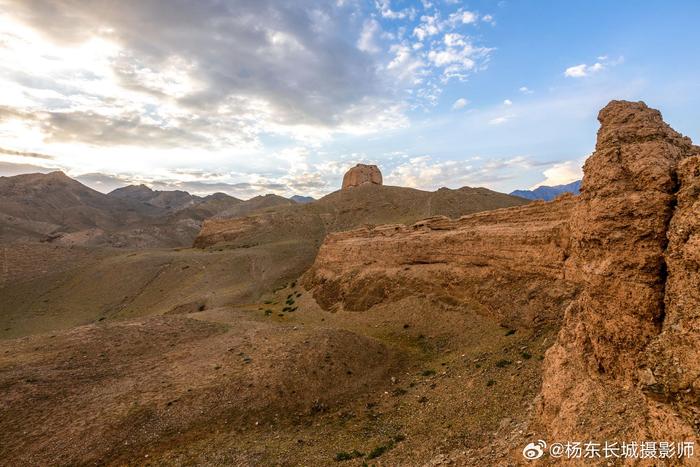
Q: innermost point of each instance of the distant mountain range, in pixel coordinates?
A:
(302, 199)
(548, 193)
(56, 208)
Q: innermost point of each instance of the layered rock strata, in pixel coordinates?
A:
(518, 252)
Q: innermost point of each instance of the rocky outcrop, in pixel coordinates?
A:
(620, 263)
(618, 244)
(361, 174)
(508, 263)
(672, 372)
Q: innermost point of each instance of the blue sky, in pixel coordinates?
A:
(250, 97)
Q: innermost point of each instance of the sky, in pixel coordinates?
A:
(283, 96)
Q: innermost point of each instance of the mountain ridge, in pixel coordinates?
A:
(548, 193)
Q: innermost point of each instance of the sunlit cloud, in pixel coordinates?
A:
(427, 173)
(562, 173)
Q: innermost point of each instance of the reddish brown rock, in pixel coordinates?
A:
(618, 240)
(620, 263)
(361, 174)
(672, 358)
(509, 263)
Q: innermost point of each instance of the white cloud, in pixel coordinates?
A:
(104, 84)
(405, 65)
(464, 17)
(427, 174)
(429, 26)
(384, 7)
(366, 42)
(525, 90)
(460, 103)
(458, 57)
(487, 19)
(507, 102)
(96, 89)
(583, 70)
(454, 40)
(562, 173)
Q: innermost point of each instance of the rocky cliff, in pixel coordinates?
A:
(619, 255)
(519, 252)
(619, 264)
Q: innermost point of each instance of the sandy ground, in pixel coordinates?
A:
(400, 384)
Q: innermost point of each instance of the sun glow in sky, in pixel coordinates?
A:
(283, 96)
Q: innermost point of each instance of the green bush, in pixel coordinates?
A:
(346, 456)
(378, 451)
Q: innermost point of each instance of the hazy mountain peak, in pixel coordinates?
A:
(548, 193)
(302, 199)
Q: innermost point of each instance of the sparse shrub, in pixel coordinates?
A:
(399, 391)
(294, 284)
(427, 372)
(490, 383)
(510, 332)
(268, 312)
(378, 451)
(346, 456)
(503, 363)
(526, 355)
